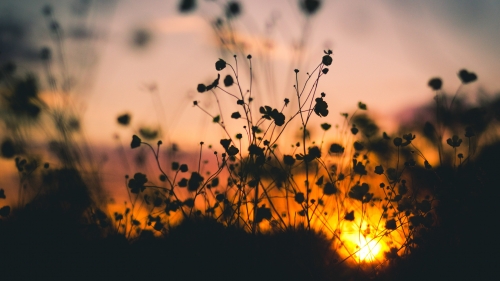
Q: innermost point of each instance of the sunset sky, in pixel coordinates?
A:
(384, 53)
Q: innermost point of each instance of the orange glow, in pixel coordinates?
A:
(366, 249)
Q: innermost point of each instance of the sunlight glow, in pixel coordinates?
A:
(364, 249)
(368, 249)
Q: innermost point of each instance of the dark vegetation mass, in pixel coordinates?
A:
(274, 207)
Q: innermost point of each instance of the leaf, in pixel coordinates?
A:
(2, 194)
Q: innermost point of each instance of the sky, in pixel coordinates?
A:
(146, 58)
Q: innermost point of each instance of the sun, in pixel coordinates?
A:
(368, 249)
(362, 249)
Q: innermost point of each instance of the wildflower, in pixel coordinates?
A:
(454, 141)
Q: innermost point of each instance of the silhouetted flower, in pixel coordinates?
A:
(325, 126)
(236, 115)
(435, 84)
(233, 9)
(454, 141)
(329, 188)
(124, 119)
(4, 211)
(398, 141)
(148, 133)
(310, 6)
(263, 213)
(8, 149)
(194, 181)
(45, 54)
(220, 65)
(466, 76)
(358, 146)
(391, 224)
(288, 160)
(327, 60)
(361, 106)
(183, 168)
(136, 141)
(349, 216)
(321, 107)
(228, 81)
(336, 148)
(359, 191)
(136, 184)
(379, 170)
(469, 132)
(186, 6)
(47, 10)
(354, 130)
(201, 88)
(299, 197)
(278, 117)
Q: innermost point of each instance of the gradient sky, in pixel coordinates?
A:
(384, 54)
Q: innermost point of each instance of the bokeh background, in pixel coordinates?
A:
(145, 58)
